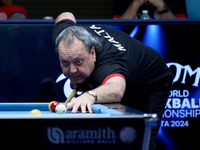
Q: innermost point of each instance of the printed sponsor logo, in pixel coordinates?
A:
(127, 135)
(187, 70)
(107, 135)
(182, 103)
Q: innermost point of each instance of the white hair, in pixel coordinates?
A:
(82, 34)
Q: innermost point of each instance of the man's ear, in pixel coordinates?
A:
(93, 53)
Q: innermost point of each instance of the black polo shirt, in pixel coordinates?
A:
(141, 66)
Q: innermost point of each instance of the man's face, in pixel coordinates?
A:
(76, 63)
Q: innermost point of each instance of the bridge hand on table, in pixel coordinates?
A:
(84, 101)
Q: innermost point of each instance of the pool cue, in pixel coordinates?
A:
(73, 93)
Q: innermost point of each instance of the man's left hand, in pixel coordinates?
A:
(84, 101)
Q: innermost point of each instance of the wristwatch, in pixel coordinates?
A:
(93, 94)
(165, 10)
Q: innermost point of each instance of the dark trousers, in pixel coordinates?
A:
(152, 101)
(155, 103)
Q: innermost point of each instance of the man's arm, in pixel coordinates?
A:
(132, 10)
(65, 15)
(110, 92)
(159, 4)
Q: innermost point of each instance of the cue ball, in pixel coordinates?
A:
(60, 109)
(35, 112)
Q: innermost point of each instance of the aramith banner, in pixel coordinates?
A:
(30, 71)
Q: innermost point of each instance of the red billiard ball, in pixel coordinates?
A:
(52, 106)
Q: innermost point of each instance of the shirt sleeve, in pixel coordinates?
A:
(107, 71)
(111, 76)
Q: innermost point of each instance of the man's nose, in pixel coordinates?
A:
(73, 69)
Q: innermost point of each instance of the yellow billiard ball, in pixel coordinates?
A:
(35, 112)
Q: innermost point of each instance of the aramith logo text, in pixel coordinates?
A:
(99, 135)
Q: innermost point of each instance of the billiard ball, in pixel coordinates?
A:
(35, 112)
(60, 109)
(128, 134)
(52, 106)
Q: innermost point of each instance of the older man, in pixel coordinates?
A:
(119, 68)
